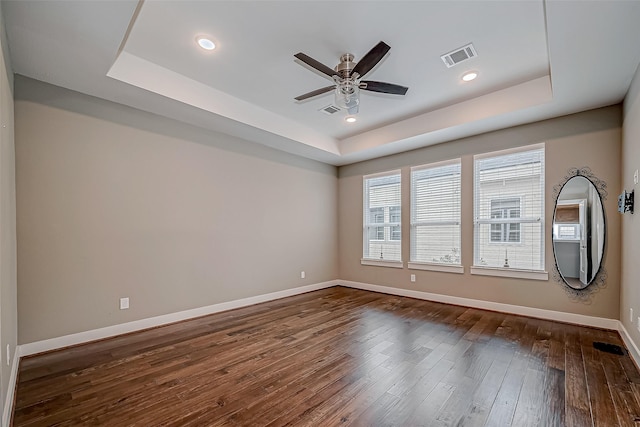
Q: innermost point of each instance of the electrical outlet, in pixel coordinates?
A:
(302, 275)
(635, 177)
(413, 277)
(8, 354)
(124, 303)
(631, 314)
(638, 324)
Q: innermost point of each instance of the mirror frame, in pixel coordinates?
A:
(599, 279)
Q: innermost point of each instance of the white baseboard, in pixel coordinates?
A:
(634, 352)
(11, 388)
(138, 325)
(577, 319)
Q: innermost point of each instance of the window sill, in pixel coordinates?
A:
(382, 263)
(447, 268)
(510, 272)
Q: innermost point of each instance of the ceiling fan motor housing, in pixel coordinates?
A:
(346, 65)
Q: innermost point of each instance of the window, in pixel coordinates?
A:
(382, 217)
(377, 217)
(505, 232)
(394, 216)
(509, 209)
(435, 213)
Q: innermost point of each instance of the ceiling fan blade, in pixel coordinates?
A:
(316, 64)
(371, 59)
(383, 87)
(314, 93)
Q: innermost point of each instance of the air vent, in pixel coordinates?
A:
(330, 109)
(459, 55)
(608, 348)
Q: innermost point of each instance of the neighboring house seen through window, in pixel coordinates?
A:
(505, 232)
(382, 217)
(435, 213)
(509, 209)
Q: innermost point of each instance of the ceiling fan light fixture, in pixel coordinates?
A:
(347, 95)
(205, 43)
(471, 75)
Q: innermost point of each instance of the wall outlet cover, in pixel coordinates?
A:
(124, 303)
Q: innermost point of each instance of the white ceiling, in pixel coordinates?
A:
(536, 60)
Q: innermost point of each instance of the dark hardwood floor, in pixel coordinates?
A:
(337, 357)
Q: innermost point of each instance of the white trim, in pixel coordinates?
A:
(455, 161)
(634, 352)
(382, 263)
(510, 272)
(382, 174)
(11, 388)
(558, 316)
(447, 268)
(137, 325)
(530, 147)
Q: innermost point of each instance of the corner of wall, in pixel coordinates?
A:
(630, 224)
(8, 260)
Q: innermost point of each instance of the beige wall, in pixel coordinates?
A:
(630, 280)
(8, 309)
(114, 202)
(586, 139)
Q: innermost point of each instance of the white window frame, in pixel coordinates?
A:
(432, 266)
(541, 274)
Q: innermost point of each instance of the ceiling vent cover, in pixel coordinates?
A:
(459, 55)
(330, 109)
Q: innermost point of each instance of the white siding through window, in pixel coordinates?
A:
(509, 209)
(382, 217)
(435, 213)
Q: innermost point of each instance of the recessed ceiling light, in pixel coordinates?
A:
(470, 76)
(350, 119)
(205, 43)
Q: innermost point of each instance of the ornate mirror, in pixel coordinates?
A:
(578, 231)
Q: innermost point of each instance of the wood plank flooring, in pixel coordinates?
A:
(337, 357)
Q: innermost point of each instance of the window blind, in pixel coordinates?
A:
(509, 209)
(382, 217)
(435, 213)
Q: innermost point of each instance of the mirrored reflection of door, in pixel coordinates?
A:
(578, 232)
(570, 240)
(584, 256)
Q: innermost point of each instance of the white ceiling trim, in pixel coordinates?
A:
(528, 94)
(146, 75)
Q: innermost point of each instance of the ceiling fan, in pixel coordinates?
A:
(347, 78)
